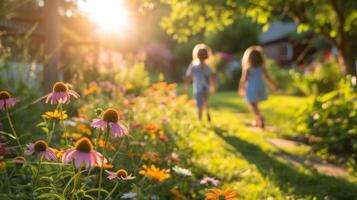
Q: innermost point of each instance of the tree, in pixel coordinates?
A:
(335, 20)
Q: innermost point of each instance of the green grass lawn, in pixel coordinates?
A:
(242, 158)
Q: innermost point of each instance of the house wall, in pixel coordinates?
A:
(282, 52)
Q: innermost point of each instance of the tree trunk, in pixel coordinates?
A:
(349, 62)
(51, 24)
(348, 54)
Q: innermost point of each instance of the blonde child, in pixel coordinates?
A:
(252, 84)
(202, 77)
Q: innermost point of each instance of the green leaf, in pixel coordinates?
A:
(8, 134)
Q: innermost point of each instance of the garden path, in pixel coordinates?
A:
(256, 165)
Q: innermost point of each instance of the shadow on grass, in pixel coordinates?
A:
(288, 178)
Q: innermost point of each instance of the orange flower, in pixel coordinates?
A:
(109, 145)
(105, 166)
(93, 87)
(84, 129)
(218, 194)
(175, 193)
(155, 173)
(154, 130)
(154, 157)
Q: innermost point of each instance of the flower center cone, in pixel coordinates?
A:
(111, 115)
(60, 87)
(4, 95)
(84, 145)
(40, 146)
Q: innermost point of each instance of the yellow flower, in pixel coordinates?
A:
(155, 173)
(91, 89)
(104, 166)
(84, 129)
(218, 194)
(55, 115)
(2, 165)
(74, 136)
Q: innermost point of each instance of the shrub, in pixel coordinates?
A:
(322, 78)
(330, 120)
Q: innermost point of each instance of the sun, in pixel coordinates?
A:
(109, 15)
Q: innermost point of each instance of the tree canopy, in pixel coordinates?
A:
(335, 20)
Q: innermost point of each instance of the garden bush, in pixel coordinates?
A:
(317, 79)
(330, 120)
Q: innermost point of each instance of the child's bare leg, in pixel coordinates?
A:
(200, 110)
(258, 117)
(254, 108)
(208, 113)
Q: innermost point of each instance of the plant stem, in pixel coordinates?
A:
(62, 123)
(38, 171)
(103, 158)
(76, 181)
(13, 129)
(112, 191)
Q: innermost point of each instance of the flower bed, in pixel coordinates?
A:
(109, 143)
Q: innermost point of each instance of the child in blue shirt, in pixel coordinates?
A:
(202, 77)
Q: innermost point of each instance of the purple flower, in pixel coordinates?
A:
(110, 120)
(61, 94)
(6, 101)
(42, 149)
(83, 153)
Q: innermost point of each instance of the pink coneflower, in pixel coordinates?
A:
(42, 148)
(61, 94)
(121, 174)
(6, 101)
(83, 153)
(111, 119)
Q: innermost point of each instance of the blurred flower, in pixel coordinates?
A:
(129, 195)
(84, 129)
(42, 148)
(172, 158)
(61, 94)
(155, 173)
(121, 174)
(218, 194)
(3, 150)
(108, 146)
(153, 130)
(175, 193)
(107, 86)
(6, 101)
(74, 136)
(70, 123)
(105, 166)
(110, 120)
(208, 180)
(154, 157)
(55, 115)
(83, 153)
(2, 165)
(182, 171)
(19, 160)
(93, 87)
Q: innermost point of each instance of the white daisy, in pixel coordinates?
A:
(182, 171)
(129, 195)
